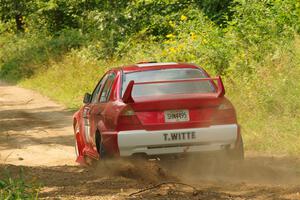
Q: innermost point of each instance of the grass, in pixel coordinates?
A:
(268, 106)
(22, 56)
(16, 188)
(71, 77)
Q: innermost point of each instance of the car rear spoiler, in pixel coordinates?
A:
(127, 97)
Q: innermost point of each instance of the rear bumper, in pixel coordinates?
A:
(177, 141)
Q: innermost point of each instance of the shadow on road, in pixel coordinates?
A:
(34, 119)
(20, 128)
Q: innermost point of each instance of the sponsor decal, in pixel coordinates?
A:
(189, 135)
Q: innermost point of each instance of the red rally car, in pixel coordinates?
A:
(156, 110)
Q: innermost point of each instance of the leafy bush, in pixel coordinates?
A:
(22, 56)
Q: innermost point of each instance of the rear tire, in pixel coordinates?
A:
(237, 153)
(100, 147)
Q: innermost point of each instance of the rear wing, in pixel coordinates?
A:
(127, 97)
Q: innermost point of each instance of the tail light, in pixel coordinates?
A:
(224, 114)
(128, 120)
(226, 105)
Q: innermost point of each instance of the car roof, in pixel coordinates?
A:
(144, 66)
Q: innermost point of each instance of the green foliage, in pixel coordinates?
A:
(71, 77)
(267, 102)
(16, 188)
(253, 44)
(23, 55)
(15, 10)
(218, 11)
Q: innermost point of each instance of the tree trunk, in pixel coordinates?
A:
(18, 16)
(19, 22)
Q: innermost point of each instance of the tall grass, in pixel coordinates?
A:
(16, 188)
(23, 55)
(268, 104)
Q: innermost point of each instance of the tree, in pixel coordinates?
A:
(15, 10)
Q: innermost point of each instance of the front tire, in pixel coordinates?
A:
(76, 149)
(76, 134)
(80, 157)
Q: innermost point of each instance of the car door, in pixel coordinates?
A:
(88, 129)
(98, 109)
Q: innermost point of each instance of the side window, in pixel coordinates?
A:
(96, 92)
(107, 88)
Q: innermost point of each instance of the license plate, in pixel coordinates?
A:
(177, 116)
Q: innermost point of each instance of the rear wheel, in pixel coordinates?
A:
(238, 152)
(100, 147)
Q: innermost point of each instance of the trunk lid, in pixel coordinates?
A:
(175, 111)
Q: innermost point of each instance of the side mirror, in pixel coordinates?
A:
(87, 98)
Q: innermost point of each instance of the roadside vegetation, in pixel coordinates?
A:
(15, 188)
(61, 48)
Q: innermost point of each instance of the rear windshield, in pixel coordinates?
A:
(167, 88)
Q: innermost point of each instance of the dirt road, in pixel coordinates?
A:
(36, 135)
